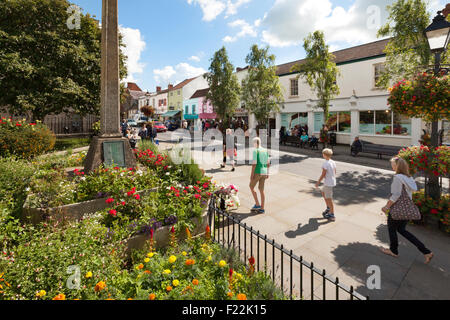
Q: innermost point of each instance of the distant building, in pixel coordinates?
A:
(131, 104)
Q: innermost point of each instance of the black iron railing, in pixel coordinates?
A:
(285, 268)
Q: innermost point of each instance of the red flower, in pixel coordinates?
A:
(230, 272)
(110, 200)
(137, 197)
(123, 203)
(172, 230)
(113, 212)
(251, 261)
(434, 211)
(198, 197)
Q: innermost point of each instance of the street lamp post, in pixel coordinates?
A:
(438, 36)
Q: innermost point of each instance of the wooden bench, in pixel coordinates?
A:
(379, 149)
(293, 140)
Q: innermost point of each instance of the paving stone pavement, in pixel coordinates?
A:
(347, 247)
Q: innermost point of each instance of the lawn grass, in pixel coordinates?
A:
(71, 143)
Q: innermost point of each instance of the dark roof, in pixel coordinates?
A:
(133, 86)
(369, 50)
(136, 94)
(200, 93)
(182, 84)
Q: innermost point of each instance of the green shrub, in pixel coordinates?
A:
(72, 143)
(24, 140)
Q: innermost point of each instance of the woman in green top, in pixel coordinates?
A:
(260, 172)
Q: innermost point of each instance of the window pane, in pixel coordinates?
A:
(318, 121)
(366, 124)
(446, 136)
(402, 125)
(345, 122)
(383, 122)
(333, 121)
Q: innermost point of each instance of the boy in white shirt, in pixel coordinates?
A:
(329, 174)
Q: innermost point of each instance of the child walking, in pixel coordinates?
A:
(329, 175)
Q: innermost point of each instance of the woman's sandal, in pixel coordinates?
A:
(388, 252)
(428, 258)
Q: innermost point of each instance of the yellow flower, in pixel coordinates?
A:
(151, 254)
(41, 293)
(88, 275)
(222, 264)
(176, 283)
(184, 253)
(146, 260)
(167, 271)
(208, 259)
(172, 259)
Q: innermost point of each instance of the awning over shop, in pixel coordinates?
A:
(208, 116)
(191, 116)
(171, 114)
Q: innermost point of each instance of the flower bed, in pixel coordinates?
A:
(195, 269)
(433, 210)
(423, 159)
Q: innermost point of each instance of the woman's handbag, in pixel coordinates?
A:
(404, 208)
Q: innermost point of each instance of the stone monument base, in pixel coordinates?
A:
(96, 155)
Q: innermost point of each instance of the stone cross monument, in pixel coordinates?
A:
(110, 148)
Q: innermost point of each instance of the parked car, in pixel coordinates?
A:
(160, 127)
(171, 125)
(132, 123)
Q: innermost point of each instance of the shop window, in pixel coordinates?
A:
(345, 122)
(366, 122)
(402, 125)
(383, 122)
(193, 109)
(318, 121)
(186, 109)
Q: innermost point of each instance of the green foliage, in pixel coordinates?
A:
(71, 143)
(262, 93)
(45, 67)
(224, 88)
(408, 47)
(24, 140)
(319, 70)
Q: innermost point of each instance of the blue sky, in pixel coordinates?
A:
(171, 40)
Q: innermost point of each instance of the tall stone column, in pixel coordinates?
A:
(110, 148)
(110, 81)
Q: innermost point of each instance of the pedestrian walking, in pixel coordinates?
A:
(329, 175)
(259, 175)
(400, 209)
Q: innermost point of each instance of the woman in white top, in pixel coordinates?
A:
(402, 178)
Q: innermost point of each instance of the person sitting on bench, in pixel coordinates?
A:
(356, 147)
(304, 139)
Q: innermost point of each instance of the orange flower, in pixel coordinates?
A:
(140, 267)
(195, 282)
(190, 262)
(60, 296)
(230, 294)
(152, 296)
(100, 286)
(147, 272)
(169, 288)
(241, 296)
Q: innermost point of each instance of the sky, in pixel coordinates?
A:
(168, 41)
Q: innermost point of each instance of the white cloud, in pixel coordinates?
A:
(135, 45)
(288, 22)
(245, 30)
(232, 7)
(194, 58)
(213, 8)
(176, 74)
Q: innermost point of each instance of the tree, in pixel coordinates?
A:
(408, 47)
(45, 66)
(319, 70)
(261, 91)
(224, 89)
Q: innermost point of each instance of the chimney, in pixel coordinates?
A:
(170, 86)
(158, 89)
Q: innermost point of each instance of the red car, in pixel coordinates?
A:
(160, 127)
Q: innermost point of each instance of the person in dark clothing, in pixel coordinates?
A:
(150, 132)
(356, 147)
(124, 127)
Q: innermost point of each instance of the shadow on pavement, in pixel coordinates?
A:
(313, 225)
(370, 185)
